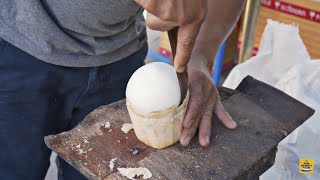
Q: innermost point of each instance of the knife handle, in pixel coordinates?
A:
(173, 38)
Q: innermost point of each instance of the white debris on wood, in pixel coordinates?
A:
(111, 164)
(81, 151)
(78, 146)
(106, 125)
(284, 132)
(126, 127)
(110, 130)
(118, 141)
(85, 141)
(131, 173)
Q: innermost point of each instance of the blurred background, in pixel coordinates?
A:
(245, 39)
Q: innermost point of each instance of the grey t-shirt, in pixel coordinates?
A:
(76, 33)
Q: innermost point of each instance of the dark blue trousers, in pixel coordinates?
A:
(38, 99)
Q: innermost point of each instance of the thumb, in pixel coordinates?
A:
(187, 35)
(158, 24)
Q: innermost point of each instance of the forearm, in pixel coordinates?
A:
(220, 21)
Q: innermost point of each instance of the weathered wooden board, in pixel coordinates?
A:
(264, 115)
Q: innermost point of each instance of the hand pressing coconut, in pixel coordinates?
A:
(204, 100)
(219, 22)
(203, 104)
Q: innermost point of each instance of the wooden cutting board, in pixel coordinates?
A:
(264, 116)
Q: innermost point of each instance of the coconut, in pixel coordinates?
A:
(153, 102)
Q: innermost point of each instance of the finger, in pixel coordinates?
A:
(165, 10)
(187, 35)
(156, 23)
(205, 125)
(224, 116)
(194, 108)
(148, 5)
(188, 133)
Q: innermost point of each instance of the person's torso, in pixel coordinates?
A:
(77, 33)
(98, 18)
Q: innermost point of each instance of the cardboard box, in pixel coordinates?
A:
(304, 13)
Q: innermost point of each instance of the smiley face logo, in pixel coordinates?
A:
(306, 166)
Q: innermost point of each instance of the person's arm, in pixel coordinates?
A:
(204, 100)
(221, 19)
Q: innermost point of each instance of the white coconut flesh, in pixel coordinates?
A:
(154, 87)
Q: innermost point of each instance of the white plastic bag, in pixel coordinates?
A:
(283, 62)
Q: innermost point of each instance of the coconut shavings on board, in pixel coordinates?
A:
(126, 127)
(131, 173)
(111, 163)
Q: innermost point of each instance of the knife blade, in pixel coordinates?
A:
(183, 76)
